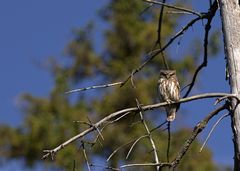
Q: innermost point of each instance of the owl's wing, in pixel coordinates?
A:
(160, 92)
(174, 91)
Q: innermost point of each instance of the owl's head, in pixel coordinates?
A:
(167, 73)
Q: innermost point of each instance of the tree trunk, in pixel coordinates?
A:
(230, 14)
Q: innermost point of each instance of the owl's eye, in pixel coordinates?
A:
(162, 73)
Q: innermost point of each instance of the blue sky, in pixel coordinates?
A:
(31, 31)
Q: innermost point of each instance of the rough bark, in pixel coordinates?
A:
(230, 13)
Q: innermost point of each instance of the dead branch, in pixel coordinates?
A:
(133, 145)
(154, 53)
(85, 156)
(119, 113)
(105, 167)
(211, 13)
(94, 87)
(197, 129)
(159, 31)
(174, 7)
(147, 164)
(169, 140)
(132, 141)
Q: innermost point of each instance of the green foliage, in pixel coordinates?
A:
(49, 121)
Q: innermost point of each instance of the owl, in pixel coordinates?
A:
(169, 91)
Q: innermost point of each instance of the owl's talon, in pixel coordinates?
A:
(169, 101)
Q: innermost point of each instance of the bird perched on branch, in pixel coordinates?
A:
(169, 91)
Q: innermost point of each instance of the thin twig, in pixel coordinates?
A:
(226, 97)
(159, 31)
(169, 140)
(146, 164)
(83, 122)
(105, 167)
(221, 118)
(160, 20)
(159, 126)
(132, 81)
(174, 7)
(145, 9)
(123, 112)
(85, 156)
(178, 12)
(74, 165)
(99, 132)
(132, 141)
(133, 145)
(94, 87)
(117, 149)
(115, 120)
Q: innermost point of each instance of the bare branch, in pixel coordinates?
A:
(105, 167)
(132, 81)
(197, 129)
(178, 12)
(117, 149)
(174, 7)
(133, 145)
(158, 42)
(147, 164)
(119, 113)
(94, 87)
(124, 145)
(85, 156)
(210, 16)
(74, 165)
(99, 132)
(145, 9)
(159, 126)
(226, 97)
(169, 140)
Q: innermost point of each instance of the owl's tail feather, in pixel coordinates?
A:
(171, 116)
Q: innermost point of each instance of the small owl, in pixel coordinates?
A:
(169, 91)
